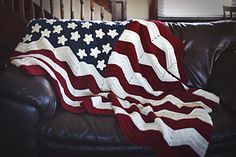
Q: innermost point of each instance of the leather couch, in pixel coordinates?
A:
(34, 124)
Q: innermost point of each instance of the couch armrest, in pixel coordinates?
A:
(35, 91)
(24, 100)
(223, 78)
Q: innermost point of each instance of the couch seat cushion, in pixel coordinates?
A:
(85, 133)
(224, 136)
(101, 134)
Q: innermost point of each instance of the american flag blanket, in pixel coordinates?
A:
(132, 70)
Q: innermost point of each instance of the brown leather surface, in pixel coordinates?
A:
(204, 43)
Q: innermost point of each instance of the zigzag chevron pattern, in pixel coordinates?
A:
(142, 84)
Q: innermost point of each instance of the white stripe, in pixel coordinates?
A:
(179, 103)
(32, 61)
(207, 95)
(146, 58)
(132, 77)
(198, 113)
(162, 43)
(97, 103)
(40, 44)
(186, 136)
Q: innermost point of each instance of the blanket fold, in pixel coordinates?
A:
(132, 70)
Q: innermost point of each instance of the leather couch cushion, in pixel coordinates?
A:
(35, 91)
(223, 78)
(85, 132)
(224, 125)
(83, 127)
(203, 44)
(223, 140)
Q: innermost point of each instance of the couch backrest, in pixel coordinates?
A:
(204, 44)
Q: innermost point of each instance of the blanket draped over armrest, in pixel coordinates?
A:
(132, 70)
